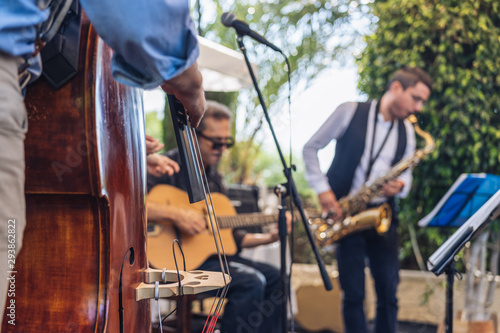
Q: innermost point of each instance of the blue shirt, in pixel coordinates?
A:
(153, 40)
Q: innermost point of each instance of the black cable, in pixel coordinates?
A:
(289, 190)
(179, 302)
(120, 295)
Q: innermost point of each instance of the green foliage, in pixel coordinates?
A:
(153, 125)
(302, 29)
(168, 128)
(458, 44)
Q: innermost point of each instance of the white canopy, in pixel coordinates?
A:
(223, 69)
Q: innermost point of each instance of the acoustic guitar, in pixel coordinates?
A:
(201, 246)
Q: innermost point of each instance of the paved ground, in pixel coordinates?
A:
(416, 328)
(404, 327)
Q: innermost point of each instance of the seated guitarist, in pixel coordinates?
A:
(253, 299)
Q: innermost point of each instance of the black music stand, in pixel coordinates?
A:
(472, 202)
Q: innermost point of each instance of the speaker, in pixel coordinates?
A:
(245, 198)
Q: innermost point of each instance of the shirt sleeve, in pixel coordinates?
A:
(238, 235)
(153, 40)
(333, 128)
(18, 26)
(406, 177)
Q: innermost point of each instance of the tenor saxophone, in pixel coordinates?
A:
(356, 217)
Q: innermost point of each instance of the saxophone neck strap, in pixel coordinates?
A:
(372, 158)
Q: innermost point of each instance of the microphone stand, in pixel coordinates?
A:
(292, 191)
(281, 192)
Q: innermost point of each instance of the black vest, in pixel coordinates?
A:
(350, 147)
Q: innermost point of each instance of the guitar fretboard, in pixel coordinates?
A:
(246, 220)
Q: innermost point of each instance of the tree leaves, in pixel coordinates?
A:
(458, 44)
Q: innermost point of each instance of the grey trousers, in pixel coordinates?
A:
(13, 126)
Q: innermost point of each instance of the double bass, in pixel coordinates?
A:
(84, 247)
(83, 265)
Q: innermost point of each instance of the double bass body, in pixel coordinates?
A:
(84, 248)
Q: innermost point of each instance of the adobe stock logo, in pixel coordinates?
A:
(264, 309)
(75, 155)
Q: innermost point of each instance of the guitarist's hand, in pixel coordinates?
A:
(189, 222)
(158, 165)
(153, 145)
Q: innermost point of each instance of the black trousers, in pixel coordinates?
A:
(254, 297)
(380, 253)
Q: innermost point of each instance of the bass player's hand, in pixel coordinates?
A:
(187, 87)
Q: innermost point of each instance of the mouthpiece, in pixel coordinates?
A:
(412, 119)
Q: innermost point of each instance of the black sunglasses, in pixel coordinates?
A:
(217, 143)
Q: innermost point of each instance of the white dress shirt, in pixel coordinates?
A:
(335, 126)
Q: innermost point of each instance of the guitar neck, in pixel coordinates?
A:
(246, 220)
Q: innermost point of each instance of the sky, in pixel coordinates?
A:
(313, 106)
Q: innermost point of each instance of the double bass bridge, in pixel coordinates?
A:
(169, 283)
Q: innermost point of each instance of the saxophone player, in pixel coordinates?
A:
(370, 138)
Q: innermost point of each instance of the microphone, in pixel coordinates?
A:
(242, 28)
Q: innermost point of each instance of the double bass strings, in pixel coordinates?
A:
(214, 225)
(191, 155)
(180, 291)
